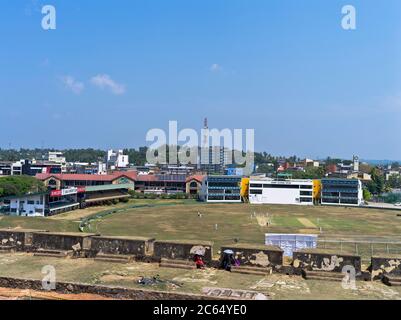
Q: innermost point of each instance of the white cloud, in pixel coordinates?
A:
(73, 85)
(104, 81)
(215, 67)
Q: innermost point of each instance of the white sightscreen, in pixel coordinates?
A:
(291, 242)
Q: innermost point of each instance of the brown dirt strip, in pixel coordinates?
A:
(26, 294)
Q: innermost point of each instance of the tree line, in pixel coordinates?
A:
(20, 185)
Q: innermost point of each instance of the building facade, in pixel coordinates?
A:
(212, 160)
(116, 159)
(269, 191)
(194, 184)
(9, 168)
(347, 192)
(58, 157)
(64, 181)
(30, 205)
(221, 189)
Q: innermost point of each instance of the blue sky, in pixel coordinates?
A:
(112, 70)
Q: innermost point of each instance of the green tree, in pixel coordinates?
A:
(20, 185)
(377, 184)
(367, 195)
(309, 173)
(394, 181)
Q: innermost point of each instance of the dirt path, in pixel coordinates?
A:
(82, 213)
(18, 294)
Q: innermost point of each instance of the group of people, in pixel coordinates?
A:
(226, 262)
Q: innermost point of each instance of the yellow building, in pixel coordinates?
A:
(317, 189)
(245, 189)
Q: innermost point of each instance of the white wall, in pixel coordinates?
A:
(280, 195)
(122, 161)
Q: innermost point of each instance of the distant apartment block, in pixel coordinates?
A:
(116, 159)
(213, 160)
(10, 168)
(57, 157)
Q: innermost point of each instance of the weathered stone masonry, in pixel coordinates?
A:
(325, 260)
(385, 265)
(182, 250)
(258, 256)
(136, 246)
(61, 241)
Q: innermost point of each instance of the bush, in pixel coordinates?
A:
(367, 196)
(391, 198)
(164, 196)
(20, 185)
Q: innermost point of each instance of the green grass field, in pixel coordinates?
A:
(221, 223)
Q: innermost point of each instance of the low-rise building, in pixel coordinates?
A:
(161, 183)
(64, 181)
(221, 189)
(30, 205)
(346, 192)
(194, 184)
(270, 191)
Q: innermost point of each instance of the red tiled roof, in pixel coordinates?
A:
(146, 178)
(88, 177)
(198, 178)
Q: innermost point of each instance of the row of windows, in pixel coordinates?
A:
(343, 194)
(224, 191)
(258, 191)
(337, 201)
(37, 210)
(224, 198)
(223, 184)
(31, 202)
(281, 186)
(349, 182)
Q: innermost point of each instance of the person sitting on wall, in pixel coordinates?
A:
(200, 264)
(228, 260)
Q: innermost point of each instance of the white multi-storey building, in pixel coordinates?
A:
(269, 191)
(58, 157)
(117, 159)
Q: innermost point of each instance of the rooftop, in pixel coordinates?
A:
(88, 177)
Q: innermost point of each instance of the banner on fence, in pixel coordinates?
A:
(291, 242)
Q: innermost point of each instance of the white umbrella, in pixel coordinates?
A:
(198, 250)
